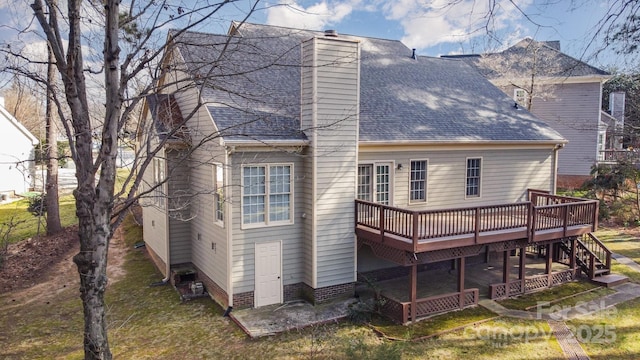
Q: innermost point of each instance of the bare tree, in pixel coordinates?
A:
(51, 149)
(525, 67)
(95, 114)
(23, 101)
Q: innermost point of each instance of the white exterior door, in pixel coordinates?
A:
(268, 288)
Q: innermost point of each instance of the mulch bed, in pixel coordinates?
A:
(27, 261)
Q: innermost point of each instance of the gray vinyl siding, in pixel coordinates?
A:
(306, 208)
(209, 243)
(332, 85)
(574, 111)
(208, 240)
(179, 226)
(306, 119)
(505, 175)
(154, 220)
(291, 235)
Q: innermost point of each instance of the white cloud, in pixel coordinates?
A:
(316, 16)
(431, 23)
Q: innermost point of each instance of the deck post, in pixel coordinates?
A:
(572, 259)
(414, 290)
(461, 265)
(381, 223)
(414, 231)
(477, 229)
(549, 264)
(506, 257)
(530, 222)
(521, 270)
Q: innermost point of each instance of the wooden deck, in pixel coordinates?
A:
(544, 217)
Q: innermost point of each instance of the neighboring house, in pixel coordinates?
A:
(564, 92)
(295, 162)
(17, 146)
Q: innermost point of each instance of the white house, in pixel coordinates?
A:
(16, 155)
(295, 162)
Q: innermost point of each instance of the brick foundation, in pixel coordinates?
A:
(160, 264)
(321, 295)
(243, 300)
(571, 182)
(293, 292)
(215, 291)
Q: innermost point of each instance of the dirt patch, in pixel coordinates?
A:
(43, 266)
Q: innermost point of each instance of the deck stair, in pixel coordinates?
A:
(592, 256)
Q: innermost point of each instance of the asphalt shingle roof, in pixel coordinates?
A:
(255, 92)
(544, 56)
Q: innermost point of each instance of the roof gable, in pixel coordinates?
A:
(255, 90)
(544, 58)
(14, 123)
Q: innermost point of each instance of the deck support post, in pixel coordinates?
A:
(522, 269)
(549, 263)
(414, 290)
(572, 259)
(461, 265)
(506, 267)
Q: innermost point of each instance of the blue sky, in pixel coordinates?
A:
(433, 27)
(437, 27)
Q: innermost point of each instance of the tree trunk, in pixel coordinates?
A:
(51, 189)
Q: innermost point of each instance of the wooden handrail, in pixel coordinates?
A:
(416, 225)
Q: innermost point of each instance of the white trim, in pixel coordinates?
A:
(458, 143)
(392, 178)
(314, 167)
(228, 220)
(266, 222)
(426, 183)
(214, 177)
(466, 163)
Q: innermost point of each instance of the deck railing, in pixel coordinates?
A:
(531, 283)
(542, 212)
(401, 311)
(613, 156)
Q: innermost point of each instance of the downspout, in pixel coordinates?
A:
(166, 222)
(227, 226)
(554, 178)
(314, 169)
(355, 183)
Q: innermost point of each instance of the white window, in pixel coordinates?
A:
(364, 182)
(375, 177)
(218, 193)
(158, 179)
(520, 96)
(473, 177)
(267, 194)
(418, 181)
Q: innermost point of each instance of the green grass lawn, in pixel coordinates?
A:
(151, 323)
(624, 244)
(568, 294)
(16, 213)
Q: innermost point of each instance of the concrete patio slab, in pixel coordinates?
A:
(274, 319)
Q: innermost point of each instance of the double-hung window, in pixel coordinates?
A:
(418, 181)
(267, 194)
(158, 179)
(473, 177)
(218, 193)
